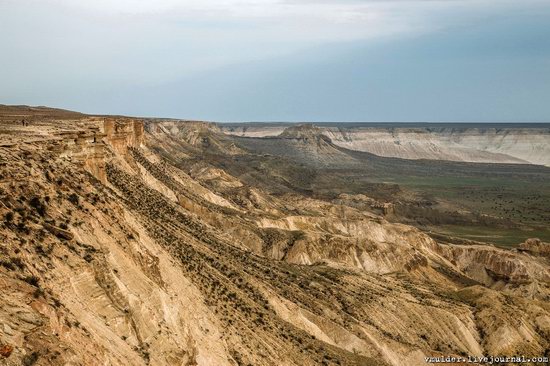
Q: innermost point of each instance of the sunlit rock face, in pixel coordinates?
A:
(122, 133)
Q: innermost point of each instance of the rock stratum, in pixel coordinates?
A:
(481, 143)
(131, 241)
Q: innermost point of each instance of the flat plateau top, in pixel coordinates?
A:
(459, 125)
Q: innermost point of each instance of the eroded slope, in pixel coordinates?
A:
(126, 242)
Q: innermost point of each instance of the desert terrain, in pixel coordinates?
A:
(149, 241)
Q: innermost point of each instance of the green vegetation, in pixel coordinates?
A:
(515, 200)
(506, 210)
(508, 238)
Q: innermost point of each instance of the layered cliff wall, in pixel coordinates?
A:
(122, 133)
(476, 143)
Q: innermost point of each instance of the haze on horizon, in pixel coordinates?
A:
(281, 60)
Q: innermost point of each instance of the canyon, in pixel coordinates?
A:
(144, 241)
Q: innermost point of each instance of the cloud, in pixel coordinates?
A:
(288, 21)
(148, 41)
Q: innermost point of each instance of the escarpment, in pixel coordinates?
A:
(497, 143)
(151, 242)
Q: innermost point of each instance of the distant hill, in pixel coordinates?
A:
(517, 143)
(36, 111)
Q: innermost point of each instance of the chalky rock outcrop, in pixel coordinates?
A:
(463, 142)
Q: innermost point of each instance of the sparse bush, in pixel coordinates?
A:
(32, 280)
(38, 293)
(38, 205)
(9, 217)
(18, 262)
(22, 226)
(73, 198)
(30, 359)
(7, 265)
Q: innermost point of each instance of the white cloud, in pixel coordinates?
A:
(292, 21)
(288, 21)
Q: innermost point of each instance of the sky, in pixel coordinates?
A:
(281, 60)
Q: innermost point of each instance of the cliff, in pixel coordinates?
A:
(126, 242)
(475, 143)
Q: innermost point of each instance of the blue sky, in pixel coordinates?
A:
(281, 60)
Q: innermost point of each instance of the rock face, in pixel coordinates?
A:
(122, 133)
(148, 252)
(475, 143)
(536, 247)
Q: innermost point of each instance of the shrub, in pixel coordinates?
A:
(18, 262)
(73, 198)
(39, 249)
(9, 217)
(7, 265)
(30, 359)
(32, 280)
(38, 205)
(22, 227)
